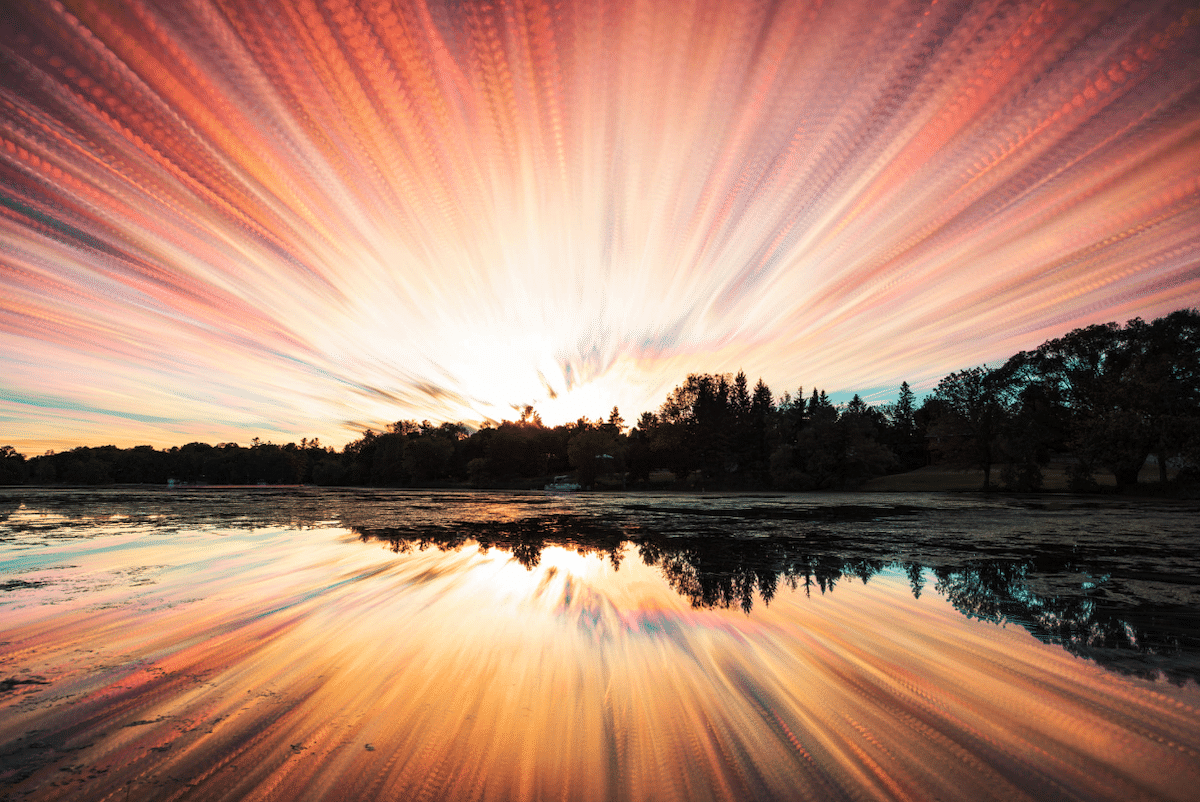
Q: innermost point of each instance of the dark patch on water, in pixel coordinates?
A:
(840, 512)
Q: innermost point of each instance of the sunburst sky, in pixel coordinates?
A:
(230, 219)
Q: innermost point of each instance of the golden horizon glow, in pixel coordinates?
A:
(222, 220)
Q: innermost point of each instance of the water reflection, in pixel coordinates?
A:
(1072, 597)
(264, 645)
(1115, 582)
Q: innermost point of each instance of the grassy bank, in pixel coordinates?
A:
(941, 478)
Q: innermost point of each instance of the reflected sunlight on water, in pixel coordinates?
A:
(290, 662)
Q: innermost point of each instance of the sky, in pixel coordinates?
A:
(226, 219)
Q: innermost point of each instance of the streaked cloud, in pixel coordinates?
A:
(226, 219)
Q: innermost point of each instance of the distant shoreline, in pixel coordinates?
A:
(929, 479)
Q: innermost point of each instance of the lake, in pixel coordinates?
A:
(357, 644)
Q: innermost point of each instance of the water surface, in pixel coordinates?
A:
(371, 644)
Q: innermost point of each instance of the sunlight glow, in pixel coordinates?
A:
(572, 563)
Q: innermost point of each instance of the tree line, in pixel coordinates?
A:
(1101, 398)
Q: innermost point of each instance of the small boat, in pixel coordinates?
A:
(562, 484)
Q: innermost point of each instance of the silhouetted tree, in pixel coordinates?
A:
(821, 445)
(594, 450)
(902, 433)
(973, 413)
(758, 430)
(638, 455)
(1168, 368)
(12, 466)
(1099, 373)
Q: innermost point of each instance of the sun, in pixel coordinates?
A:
(591, 401)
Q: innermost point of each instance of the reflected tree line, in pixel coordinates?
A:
(1091, 615)
(1101, 399)
(1129, 604)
